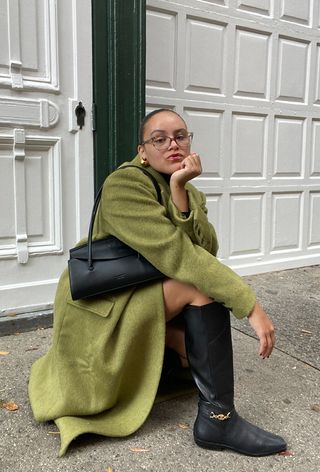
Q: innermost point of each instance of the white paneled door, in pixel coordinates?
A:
(46, 160)
(246, 76)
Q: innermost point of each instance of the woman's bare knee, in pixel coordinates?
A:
(179, 294)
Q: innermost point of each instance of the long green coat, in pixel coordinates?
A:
(102, 371)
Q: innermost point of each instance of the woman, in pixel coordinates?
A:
(102, 372)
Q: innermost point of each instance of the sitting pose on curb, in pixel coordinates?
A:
(102, 371)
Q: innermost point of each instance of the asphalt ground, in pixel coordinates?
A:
(281, 394)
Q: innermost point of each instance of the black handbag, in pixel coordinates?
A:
(107, 264)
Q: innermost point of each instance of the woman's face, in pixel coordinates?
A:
(160, 125)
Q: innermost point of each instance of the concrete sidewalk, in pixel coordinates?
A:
(281, 394)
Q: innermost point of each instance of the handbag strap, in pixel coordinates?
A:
(96, 204)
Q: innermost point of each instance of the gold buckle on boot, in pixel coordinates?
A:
(220, 417)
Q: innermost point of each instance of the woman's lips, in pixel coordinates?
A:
(175, 157)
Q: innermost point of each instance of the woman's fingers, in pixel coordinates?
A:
(264, 329)
(190, 168)
(266, 346)
(192, 164)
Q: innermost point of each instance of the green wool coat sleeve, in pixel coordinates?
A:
(130, 211)
(196, 225)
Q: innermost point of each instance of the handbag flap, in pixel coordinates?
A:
(108, 248)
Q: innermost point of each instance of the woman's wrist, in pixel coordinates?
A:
(179, 197)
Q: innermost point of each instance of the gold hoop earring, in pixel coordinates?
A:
(144, 162)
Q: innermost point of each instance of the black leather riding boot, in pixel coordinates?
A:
(209, 350)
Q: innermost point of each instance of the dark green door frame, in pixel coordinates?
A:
(118, 81)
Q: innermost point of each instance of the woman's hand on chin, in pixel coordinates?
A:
(190, 168)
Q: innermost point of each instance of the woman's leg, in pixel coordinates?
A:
(175, 339)
(176, 296)
(209, 348)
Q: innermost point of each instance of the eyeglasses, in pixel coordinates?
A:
(162, 143)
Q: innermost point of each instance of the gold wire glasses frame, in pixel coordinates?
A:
(164, 142)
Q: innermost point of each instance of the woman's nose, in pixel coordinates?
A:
(173, 144)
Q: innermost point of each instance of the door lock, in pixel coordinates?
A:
(80, 114)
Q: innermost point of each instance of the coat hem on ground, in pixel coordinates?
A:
(93, 379)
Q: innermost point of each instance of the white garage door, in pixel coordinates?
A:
(46, 161)
(246, 76)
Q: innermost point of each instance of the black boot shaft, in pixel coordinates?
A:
(209, 350)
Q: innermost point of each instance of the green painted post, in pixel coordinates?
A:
(118, 81)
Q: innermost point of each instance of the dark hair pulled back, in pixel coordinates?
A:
(149, 116)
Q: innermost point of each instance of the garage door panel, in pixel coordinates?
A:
(36, 198)
(34, 181)
(314, 233)
(28, 55)
(218, 2)
(7, 225)
(249, 149)
(262, 7)
(252, 64)
(315, 160)
(246, 229)
(296, 11)
(317, 84)
(293, 69)
(289, 151)
(162, 49)
(205, 55)
(286, 221)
